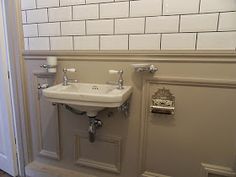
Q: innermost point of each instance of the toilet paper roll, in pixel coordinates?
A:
(52, 61)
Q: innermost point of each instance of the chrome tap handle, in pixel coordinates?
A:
(69, 70)
(48, 66)
(120, 81)
(65, 78)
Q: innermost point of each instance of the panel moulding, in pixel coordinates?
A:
(208, 169)
(100, 165)
(179, 81)
(41, 149)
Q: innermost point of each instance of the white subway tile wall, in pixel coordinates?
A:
(39, 43)
(144, 42)
(129, 24)
(114, 10)
(86, 43)
(180, 41)
(116, 42)
(61, 43)
(162, 24)
(60, 14)
(73, 28)
(30, 30)
(49, 29)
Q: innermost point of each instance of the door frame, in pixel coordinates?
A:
(16, 67)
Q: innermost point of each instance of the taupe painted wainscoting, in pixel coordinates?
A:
(197, 141)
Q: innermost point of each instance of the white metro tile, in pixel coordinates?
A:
(84, 12)
(144, 42)
(180, 41)
(60, 14)
(114, 10)
(41, 43)
(145, 8)
(217, 41)
(227, 21)
(37, 16)
(71, 2)
(73, 28)
(162, 24)
(97, 1)
(23, 15)
(49, 29)
(129, 26)
(28, 4)
(180, 6)
(61, 43)
(198, 23)
(100, 27)
(30, 30)
(26, 43)
(86, 43)
(116, 42)
(47, 3)
(217, 5)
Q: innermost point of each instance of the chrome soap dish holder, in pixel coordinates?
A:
(47, 67)
(145, 67)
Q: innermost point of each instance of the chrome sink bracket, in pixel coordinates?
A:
(124, 108)
(163, 102)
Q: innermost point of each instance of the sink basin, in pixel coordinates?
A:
(88, 97)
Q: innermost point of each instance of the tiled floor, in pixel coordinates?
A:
(3, 174)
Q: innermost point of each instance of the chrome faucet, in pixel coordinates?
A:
(66, 81)
(120, 81)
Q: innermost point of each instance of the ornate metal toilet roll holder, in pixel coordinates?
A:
(163, 102)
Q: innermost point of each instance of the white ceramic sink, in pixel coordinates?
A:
(88, 97)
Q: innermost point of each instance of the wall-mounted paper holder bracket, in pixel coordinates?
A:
(163, 102)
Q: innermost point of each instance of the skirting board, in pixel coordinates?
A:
(37, 169)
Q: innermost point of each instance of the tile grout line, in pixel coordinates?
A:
(160, 41)
(72, 13)
(73, 42)
(145, 24)
(36, 3)
(38, 8)
(124, 17)
(129, 9)
(128, 41)
(99, 11)
(26, 18)
(38, 29)
(48, 15)
(99, 42)
(114, 27)
(162, 7)
(60, 31)
(50, 47)
(202, 32)
(85, 26)
(179, 27)
(218, 22)
(199, 7)
(28, 42)
(196, 41)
